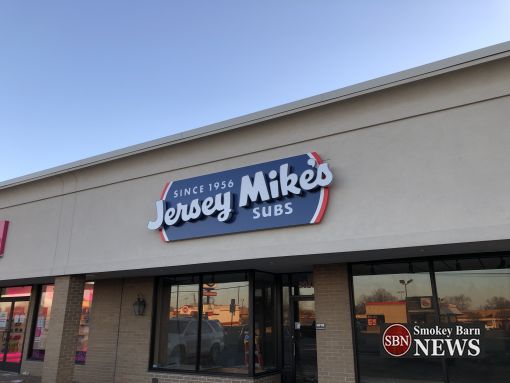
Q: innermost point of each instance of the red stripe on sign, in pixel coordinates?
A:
(4, 225)
(324, 205)
(326, 193)
(162, 234)
(317, 157)
(164, 191)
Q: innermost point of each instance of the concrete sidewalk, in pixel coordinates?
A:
(8, 377)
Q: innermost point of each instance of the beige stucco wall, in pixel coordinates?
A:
(420, 164)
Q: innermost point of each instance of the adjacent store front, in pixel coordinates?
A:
(357, 236)
(461, 290)
(13, 313)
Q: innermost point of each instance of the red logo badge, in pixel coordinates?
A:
(396, 340)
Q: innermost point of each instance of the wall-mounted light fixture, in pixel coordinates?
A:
(139, 305)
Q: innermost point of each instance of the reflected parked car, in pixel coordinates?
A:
(182, 340)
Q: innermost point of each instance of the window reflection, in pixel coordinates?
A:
(477, 291)
(203, 323)
(385, 294)
(43, 321)
(287, 323)
(177, 338)
(265, 323)
(302, 284)
(14, 292)
(298, 327)
(83, 332)
(225, 326)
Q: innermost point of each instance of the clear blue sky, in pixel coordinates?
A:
(79, 78)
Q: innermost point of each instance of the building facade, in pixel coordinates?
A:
(277, 247)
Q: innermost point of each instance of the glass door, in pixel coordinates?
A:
(298, 329)
(304, 341)
(13, 317)
(5, 326)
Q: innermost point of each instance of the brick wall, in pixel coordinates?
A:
(134, 333)
(61, 343)
(335, 354)
(103, 333)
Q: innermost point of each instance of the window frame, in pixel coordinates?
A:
(435, 298)
(90, 311)
(250, 273)
(33, 321)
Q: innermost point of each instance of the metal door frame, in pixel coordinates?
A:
(294, 300)
(5, 366)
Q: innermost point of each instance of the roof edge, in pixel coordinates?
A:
(450, 64)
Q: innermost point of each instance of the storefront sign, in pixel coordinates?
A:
(430, 341)
(4, 225)
(287, 192)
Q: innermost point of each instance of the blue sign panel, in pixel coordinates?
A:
(286, 192)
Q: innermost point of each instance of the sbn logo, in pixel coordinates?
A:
(397, 340)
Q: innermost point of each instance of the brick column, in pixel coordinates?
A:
(63, 329)
(335, 354)
(134, 333)
(104, 328)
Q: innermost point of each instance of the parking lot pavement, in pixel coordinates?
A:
(7, 377)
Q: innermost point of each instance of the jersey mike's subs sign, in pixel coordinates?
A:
(286, 192)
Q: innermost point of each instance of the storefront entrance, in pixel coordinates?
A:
(304, 342)
(13, 318)
(299, 341)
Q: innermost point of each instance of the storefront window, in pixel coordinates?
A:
(477, 291)
(287, 330)
(301, 284)
(385, 294)
(225, 326)
(177, 324)
(83, 332)
(203, 324)
(42, 322)
(15, 292)
(265, 323)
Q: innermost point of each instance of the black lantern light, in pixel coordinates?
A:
(139, 306)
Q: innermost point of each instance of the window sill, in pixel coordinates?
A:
(156, 370)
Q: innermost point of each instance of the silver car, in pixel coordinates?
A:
(182, 340)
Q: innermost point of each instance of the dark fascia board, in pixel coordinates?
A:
(436, 68)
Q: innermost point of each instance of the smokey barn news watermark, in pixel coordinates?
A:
(430, 341)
